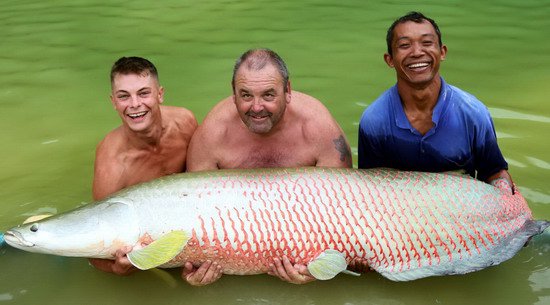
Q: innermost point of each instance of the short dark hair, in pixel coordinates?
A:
(414, 17)
(133, 65)
(257, 59)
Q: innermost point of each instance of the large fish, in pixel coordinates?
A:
(407, 225)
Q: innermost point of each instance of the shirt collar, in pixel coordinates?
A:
(401, 119)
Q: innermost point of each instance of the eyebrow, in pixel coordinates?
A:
(423, 35)
(270, 90)
(126, 91)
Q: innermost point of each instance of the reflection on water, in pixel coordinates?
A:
(55, 108)
(538, 163)
(499, 113)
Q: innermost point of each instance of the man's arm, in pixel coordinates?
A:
(502, 180)
(491, 165)
(336, 155)
(200, 155)
(107, 176)
(328, 137)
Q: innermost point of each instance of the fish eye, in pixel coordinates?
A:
(34, 227)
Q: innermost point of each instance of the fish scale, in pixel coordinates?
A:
(406, 225)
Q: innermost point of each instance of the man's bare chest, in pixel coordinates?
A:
(267, 156)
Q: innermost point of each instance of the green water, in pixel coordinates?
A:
(54, 63)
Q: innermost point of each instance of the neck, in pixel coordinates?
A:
(419, 98)
(145, 139)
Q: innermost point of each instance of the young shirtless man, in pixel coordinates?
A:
(265, 124)
(151, 142)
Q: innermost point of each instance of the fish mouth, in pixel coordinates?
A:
(15, 239)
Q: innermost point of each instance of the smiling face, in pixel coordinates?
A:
(260, 97)
(137, 100)
(416, 53)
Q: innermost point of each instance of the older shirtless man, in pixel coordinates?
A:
(151, 142)
(265, 124)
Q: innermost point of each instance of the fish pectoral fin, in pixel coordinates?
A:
(160, 251)
(327, 265)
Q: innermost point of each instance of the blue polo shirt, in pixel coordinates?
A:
(463, 136)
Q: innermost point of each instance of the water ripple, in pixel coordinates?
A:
(500, 113)
(538, 162)
(535, 196)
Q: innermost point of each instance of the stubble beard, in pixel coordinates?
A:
(259, 128)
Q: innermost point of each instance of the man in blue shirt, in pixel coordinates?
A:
(423, 123)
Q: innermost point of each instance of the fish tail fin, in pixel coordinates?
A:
(534, 227)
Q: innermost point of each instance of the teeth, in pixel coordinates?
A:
(137, 115)
(418, 65)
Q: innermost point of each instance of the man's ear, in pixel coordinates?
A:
(388, 59)
(161, 94)
(113, 102)
(288, 92)
(443, 52)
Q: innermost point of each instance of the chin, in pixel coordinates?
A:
(137, 127)
(259, 129)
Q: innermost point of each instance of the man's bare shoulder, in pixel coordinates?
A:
(112, 141)
(313, 114)
(221, 118)
(321, 130)
(205, 150)
(224, 110)
(179, 115)
(308, 104)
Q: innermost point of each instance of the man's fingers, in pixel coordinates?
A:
(201, 271)
(213, 273)
(187, 269)
(207, 273)
(279, 270)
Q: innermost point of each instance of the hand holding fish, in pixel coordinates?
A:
(295, 274)
(120, 265)
(205, 274)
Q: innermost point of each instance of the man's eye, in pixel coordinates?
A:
(403, 45)
(143, 94)
(122, 97)
(427, 42)
(269, 97)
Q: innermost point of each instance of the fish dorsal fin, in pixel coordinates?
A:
(36, 218)
(160, 251)
(327, 265)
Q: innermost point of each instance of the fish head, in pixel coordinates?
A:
(94, 230)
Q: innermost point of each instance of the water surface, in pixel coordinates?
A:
(54, 89)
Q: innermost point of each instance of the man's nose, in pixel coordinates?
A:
(135, 101)
(257, 105)
(417, 49)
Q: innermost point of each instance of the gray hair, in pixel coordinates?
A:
(257, 59)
